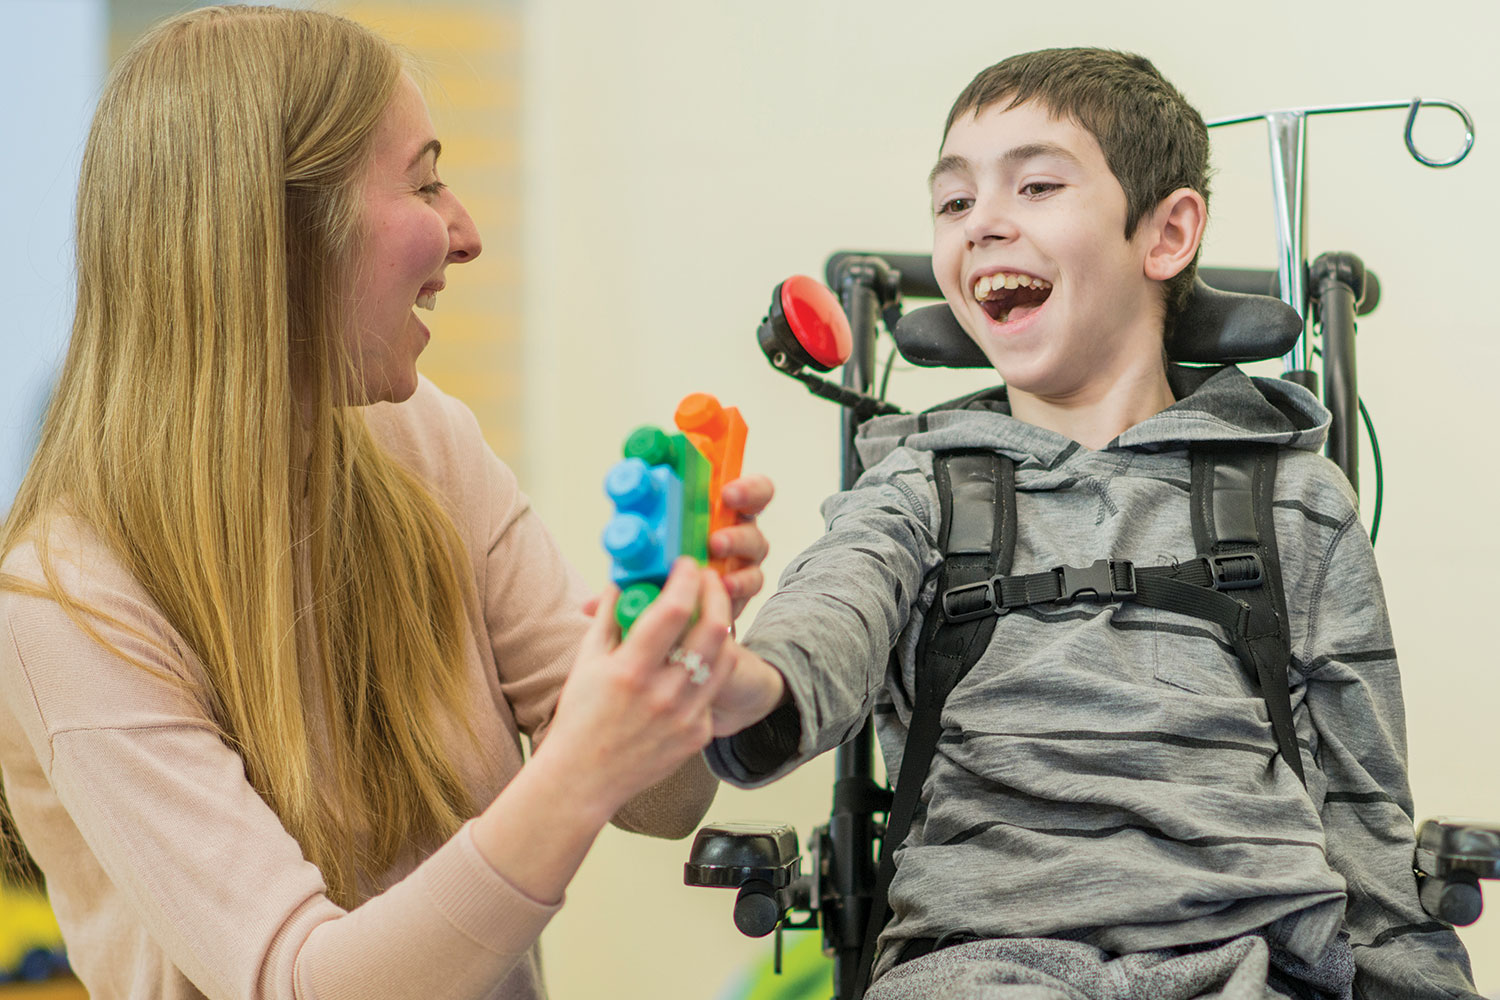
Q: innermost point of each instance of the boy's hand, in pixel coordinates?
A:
(743, 544)
(751, 692)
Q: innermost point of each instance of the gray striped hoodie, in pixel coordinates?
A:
(1108, 772)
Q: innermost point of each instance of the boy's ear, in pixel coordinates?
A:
(1174, 231)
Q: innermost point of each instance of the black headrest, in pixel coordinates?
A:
(1214, 328)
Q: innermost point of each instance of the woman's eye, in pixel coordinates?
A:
(952, 206)
(433, 189)
(1038, 188)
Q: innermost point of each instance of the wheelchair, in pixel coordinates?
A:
(1304, 314)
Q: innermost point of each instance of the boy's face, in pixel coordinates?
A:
(1030, 251)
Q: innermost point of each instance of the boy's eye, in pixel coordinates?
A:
(1038, 188)
(953, 206)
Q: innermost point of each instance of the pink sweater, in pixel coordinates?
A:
(170, 876)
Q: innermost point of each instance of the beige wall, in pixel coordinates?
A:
(681, 158)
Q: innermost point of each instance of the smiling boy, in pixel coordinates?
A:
(1107, 813)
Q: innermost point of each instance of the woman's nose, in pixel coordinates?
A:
(463, 236)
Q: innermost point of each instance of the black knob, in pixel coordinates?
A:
(756, 911)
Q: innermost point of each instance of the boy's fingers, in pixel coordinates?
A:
(744, 541)
(748, 495)
(744, 584)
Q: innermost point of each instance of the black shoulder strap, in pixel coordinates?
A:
(1234, 530)
(977, 493)
(1232, 491)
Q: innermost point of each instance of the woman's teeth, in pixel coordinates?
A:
(427, 300)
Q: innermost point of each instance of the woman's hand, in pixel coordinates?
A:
(742, 546)
(632, 712)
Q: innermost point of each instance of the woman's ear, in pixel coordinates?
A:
(1174, 231)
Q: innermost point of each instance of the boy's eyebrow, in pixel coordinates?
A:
(945, 165)
(1012, 156)
(432, 146)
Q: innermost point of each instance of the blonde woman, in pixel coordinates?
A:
(275, 616)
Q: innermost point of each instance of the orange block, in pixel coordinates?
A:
(718, 432)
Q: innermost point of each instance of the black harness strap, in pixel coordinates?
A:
(1234, 582)
(977, 490)
(1238, 521)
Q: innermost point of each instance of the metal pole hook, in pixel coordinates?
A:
(1411, 120)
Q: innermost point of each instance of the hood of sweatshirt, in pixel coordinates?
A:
(1218, 404)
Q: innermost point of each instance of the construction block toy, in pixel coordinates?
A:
(718, 432)
(665, 491)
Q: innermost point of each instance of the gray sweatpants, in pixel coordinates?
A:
(1051, 969)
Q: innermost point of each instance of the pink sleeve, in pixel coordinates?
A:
(532, 601)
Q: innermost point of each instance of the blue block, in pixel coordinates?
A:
(645, 536)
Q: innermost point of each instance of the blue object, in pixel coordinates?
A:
(645, 536)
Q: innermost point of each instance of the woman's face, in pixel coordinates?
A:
(413, 228)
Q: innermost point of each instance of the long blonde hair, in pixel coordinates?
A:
(218, 219)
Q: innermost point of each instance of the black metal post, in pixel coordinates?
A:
(1338, 279)
(863, 285)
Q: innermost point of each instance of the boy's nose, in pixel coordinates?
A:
(988, 222)
(463, 236)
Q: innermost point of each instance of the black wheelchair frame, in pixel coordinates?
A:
(1237, 315)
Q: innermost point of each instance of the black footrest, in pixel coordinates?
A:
(1452, 856)
(727, 855)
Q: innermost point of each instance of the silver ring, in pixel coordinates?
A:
(693, 663)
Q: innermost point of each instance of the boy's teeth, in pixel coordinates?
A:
(427, 301)
(1004, 280)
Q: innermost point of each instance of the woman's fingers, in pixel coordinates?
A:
(701, 650)
(602, 634)
(659, 627)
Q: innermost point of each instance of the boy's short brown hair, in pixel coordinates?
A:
(1153, 140)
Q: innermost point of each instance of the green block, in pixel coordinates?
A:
(651, 445)
(634, 600)
(696, 476)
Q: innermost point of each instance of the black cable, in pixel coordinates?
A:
(1374, 453)
(1379, 472)
(885, 378)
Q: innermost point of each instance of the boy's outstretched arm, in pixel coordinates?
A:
(816, 657)
(1354, 703)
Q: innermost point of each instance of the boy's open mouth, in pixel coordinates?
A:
(1002, 293)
